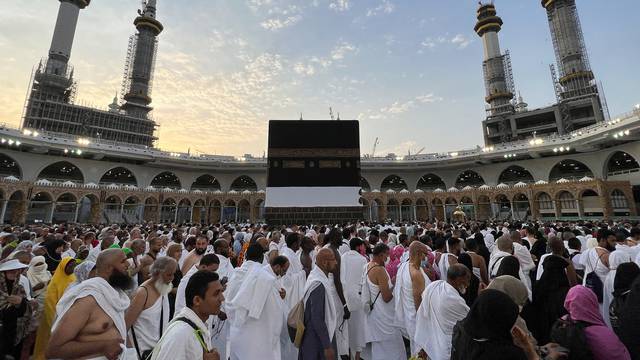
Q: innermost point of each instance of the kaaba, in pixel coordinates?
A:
(313, 174)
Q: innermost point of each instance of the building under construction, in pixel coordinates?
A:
(578, 100)
(51, 104)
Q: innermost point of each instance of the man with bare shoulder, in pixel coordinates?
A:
(90, 316)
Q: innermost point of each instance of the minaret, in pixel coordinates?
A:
(141, 61)
(571, 54)
(497, 67)
(55, 77)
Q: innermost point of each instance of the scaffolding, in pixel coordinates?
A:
(128, 65)
(499, 85)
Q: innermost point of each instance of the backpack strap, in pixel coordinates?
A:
(366, 277)
(197, 331)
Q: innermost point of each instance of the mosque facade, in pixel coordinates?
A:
(70, 163)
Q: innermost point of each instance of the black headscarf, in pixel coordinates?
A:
(629, 320)
(482, 247)
(509, 266)
(553, 277)
(472, 291)
(52, 258)
(486, 331)
(548, 297)
(625, 275)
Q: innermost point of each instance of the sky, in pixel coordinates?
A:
(409, 70)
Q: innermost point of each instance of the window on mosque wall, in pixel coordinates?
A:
(619, 200)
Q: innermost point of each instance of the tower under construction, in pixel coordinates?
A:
(578, 99)
(50, 105)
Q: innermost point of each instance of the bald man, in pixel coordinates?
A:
(411, 280)
(320, 320)
(90, 316)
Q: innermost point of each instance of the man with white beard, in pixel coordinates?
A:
(352, 269)
(148, 314)
(293, 283)
(257, 313)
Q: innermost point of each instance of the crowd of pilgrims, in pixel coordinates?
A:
(428, 290)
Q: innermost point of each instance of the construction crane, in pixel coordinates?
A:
(417, 152)
(375, 144)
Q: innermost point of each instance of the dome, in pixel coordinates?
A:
(375, 191)
(541, 182)
(43, 182)
(69, 184)
(453, 189)
(150, 188)
(484, 187)
(183, 191)
(520, 184)
(390, 191)
(438, 190)
(246, 192)
(502, 186)
(404, 191)
(113, 186)
(232, 192)
(261, 191)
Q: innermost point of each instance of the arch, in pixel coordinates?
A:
(9, 167)
(546, 205)
(429, 182)
(483, 208)
(469, 178)
(66, 198)
(206, 182)
(132, 200)
(40, 208)
(229, 211)
(151, 209)
(119, 176)
(502, 207)
(621, 162)
(567, 202)
(569, 169)
(169, 211)
(166, 179)
(450, 205)
(88, 209)
(15, 208)
(61, 171)
(406, 210)
(590, 204)
(521, 207)
(65, 208)
(183, 214)
(242, 183)
(393, 209)
(364, 184)
(244, 211)
(184, 202)
(259, 209)
(393, 182)
(422, 210)
(514, 174)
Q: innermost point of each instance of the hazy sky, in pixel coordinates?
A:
(409, 70)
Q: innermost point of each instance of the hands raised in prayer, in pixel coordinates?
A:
(522, 340)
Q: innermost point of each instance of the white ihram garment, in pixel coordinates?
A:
(258, 315)
(405, 307)
(113, 302)
(381, 331)
(441, 308)
(352, 268)
(147, 326)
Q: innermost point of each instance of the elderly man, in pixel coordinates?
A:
(441, 308)
(148, 314)
(320, 318)
(90, 320)
(411, 281)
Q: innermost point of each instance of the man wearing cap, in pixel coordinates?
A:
(15, 310)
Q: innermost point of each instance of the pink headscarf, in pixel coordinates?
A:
(582, 305)
(394, 260)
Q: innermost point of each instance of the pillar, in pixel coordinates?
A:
(49, 219)
(75, 215)
(556, 207)
(3, 211)
(121, 212)
(191, 214)
(579, 209)
(175, 215)
(236, 213)
(415, 212)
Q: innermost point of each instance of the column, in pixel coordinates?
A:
(556, 207)
(3, 211)
(513, 211)
(175, 215)
(236, 213)
(50, 215)
(399, 212)
(371, 212)
(191, 214)
(444, 212)
(578, 208)
(493, 209)
(75, 215)
(415, 212)
(121, 212)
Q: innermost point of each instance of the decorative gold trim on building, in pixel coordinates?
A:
(314, 153)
